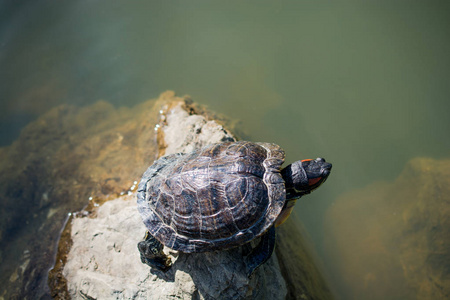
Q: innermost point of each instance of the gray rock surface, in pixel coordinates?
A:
(104, 262)
(184, 132)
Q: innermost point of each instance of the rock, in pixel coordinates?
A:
(72, 154)
(60, 160)
(391, 240)
(185, 133)
(104, 262)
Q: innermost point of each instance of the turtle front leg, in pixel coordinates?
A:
(261, 253)
(152, 253)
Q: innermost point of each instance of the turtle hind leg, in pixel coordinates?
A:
(261, 253)
(152, 254)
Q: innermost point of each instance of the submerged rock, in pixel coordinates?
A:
(104, 262)
(300, 268)
(391, 240)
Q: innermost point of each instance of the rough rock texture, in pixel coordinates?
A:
(190, 131)
(104, 262)
(391, 240)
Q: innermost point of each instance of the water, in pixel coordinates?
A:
(365, 85)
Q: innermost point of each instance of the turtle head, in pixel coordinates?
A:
(304, 176)
(301, 178)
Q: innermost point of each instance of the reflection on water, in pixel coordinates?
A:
(365, 85)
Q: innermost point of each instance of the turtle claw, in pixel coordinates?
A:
(162, 262)
(152, 254)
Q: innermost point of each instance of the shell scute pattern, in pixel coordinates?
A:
(217, 197)
(250, 199)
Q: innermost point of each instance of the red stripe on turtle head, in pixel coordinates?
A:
(313, 181)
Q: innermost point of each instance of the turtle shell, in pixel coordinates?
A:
(217, 197)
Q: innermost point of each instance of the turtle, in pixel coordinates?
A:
(221, 196)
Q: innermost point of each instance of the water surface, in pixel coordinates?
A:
(365, 85)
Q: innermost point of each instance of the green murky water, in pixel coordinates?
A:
(364, 84)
